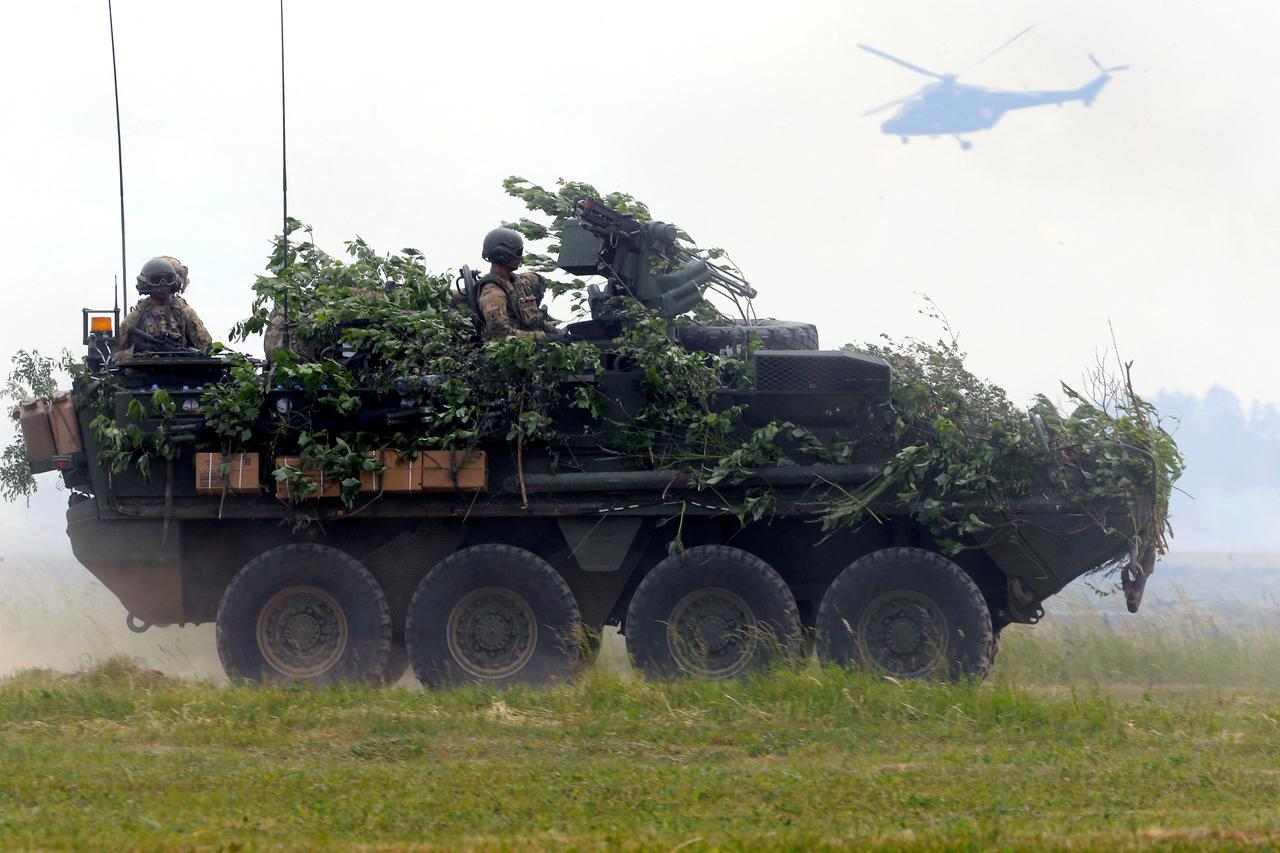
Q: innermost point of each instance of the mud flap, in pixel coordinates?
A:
(1133, 577)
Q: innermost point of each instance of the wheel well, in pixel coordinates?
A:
(990, 580)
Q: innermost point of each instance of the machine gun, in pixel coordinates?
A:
(599, 240)
(166, 342)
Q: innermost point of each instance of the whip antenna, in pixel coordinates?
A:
(115, 83)
(284, 187)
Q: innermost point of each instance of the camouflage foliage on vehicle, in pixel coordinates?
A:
(387, 324)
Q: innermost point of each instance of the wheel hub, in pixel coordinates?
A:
(492, 633)
(302, 632)
(904, 633)
(712, 633)
(903, 636)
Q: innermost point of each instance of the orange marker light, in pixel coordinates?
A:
(100, 324)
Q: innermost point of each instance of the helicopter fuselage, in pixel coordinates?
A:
(952, 108)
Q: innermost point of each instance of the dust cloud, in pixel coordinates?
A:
(55, 615)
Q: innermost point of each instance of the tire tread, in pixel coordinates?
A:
(945, 568)
(302, 552)
(544, 572)
(651, 587)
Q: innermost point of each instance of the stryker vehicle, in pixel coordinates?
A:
(465, 582)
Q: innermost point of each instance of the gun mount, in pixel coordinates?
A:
(643, 260)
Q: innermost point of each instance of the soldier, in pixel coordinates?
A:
(273, 339)
(510, 302)
(162, 321)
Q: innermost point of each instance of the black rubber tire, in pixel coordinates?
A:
(553, 652)
(938, 596)
(362, 657)
(731, 340)
(655, 641)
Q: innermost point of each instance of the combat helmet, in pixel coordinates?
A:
(180, 268)
(158, 274)
(502, 246)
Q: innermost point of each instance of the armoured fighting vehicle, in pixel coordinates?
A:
(502, 567)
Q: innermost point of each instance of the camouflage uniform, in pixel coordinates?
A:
(510, 307)
(173, 319)
(273, 337)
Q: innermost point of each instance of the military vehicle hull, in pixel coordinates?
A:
(464, 573)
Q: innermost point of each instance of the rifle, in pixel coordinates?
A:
(164, 342)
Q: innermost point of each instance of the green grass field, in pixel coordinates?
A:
(1088, 736)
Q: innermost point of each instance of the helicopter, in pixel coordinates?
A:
(949, 107)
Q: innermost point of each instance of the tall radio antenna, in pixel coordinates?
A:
(284, 186)
(115, 82)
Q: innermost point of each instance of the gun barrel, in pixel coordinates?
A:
(736, 284)
(658, 238)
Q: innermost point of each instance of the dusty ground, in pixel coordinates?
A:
(54, 614)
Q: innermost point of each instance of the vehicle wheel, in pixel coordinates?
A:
(304, 613)
(494, 614)
(908, 613)
(711, 612)
(731, 339)
(397, 662)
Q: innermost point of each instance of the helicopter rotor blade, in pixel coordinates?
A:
(1104, 69)
(997, 50)
(880, 53)
(886, 106)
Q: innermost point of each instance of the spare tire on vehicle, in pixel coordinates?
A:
(732, 339)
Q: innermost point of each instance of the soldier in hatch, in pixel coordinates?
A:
(510, 302)
(273, 339)
(162, 321)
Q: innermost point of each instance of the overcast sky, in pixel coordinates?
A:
(1154, 211)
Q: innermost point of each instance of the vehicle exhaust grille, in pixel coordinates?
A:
(820, 372)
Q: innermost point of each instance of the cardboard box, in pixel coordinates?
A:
(326, 487)
(399, 475)
(241, 477)
(439, 468)
(370, 481)
(430, 471)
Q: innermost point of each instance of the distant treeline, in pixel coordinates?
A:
(1231, 488)
(1226, 446)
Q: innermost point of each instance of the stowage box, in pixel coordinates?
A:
(242, 476)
